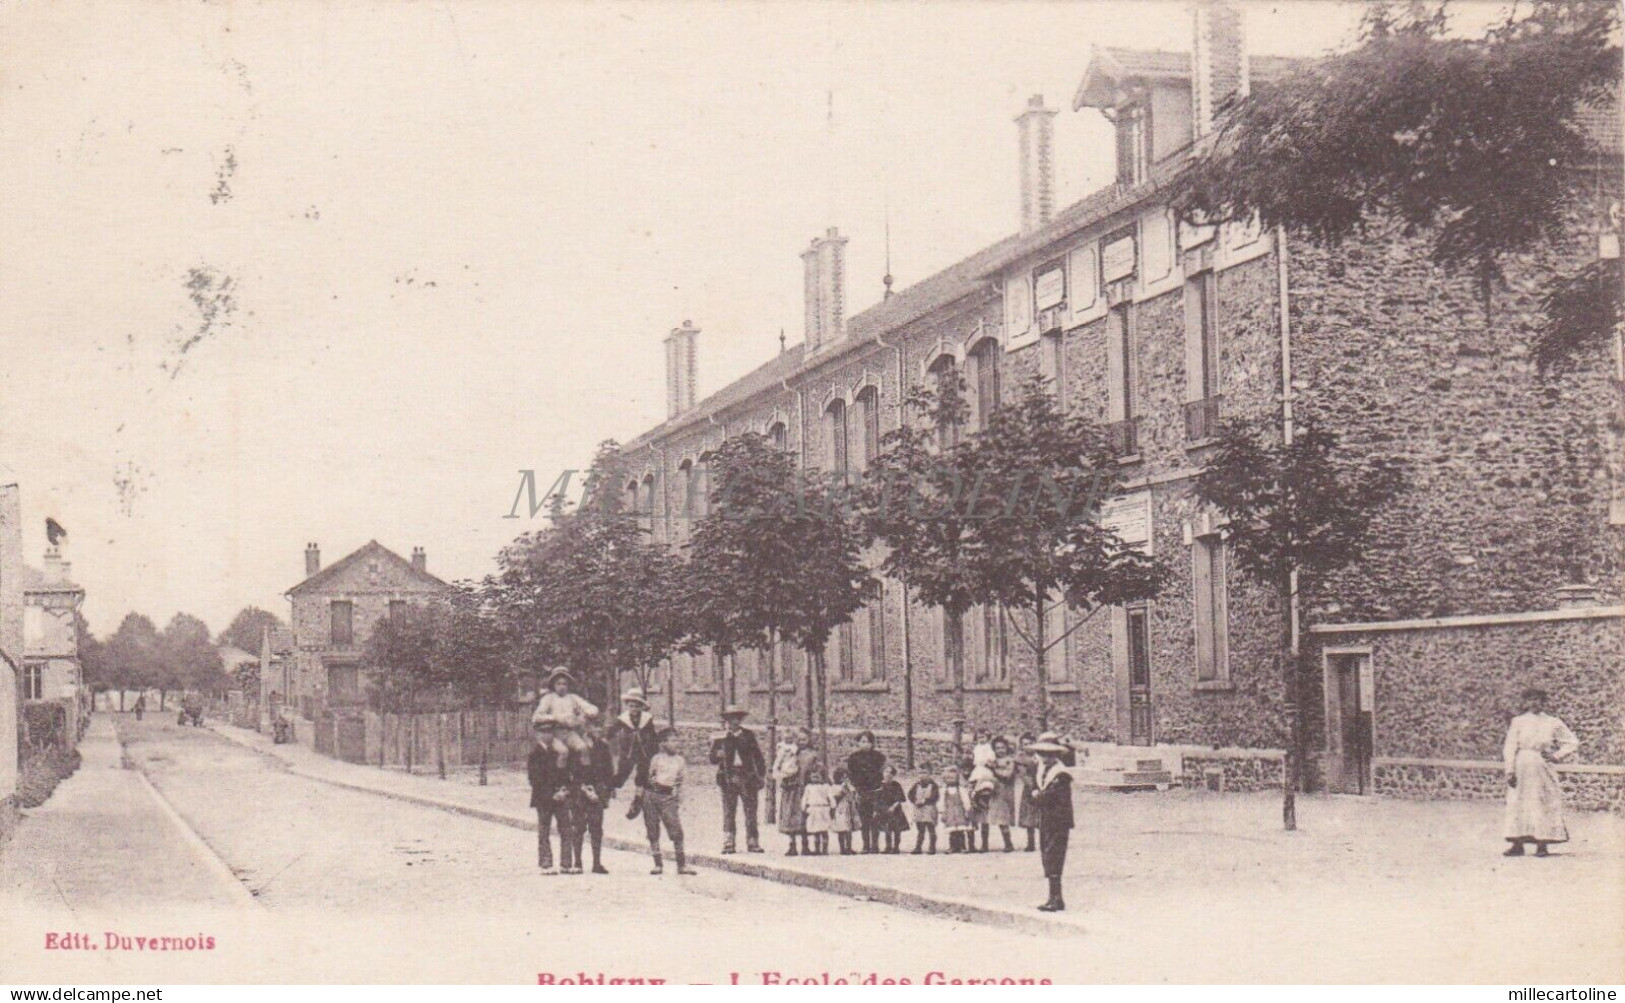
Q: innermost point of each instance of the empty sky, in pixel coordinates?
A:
(281, 272)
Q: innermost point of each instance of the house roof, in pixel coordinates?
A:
(34, 581)
(230, 653)
(372, 548)
(1110, 66)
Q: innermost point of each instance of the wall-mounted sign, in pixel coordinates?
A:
(1049, 286)
(1130, 517)
(1117, 258)
(1018, 306)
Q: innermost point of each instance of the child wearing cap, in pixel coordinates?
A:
(568, 713)
(662, 799)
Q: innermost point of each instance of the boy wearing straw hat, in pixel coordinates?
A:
(1053, 797)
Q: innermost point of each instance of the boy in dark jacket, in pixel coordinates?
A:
(550, 783)
(1054, 800)
(597, 786)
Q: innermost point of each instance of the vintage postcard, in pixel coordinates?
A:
(839, 493)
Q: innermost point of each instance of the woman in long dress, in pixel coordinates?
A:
(1535, 741)
(790, 770)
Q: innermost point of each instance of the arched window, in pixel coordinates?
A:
(985, 371)
(646, 510)
(835, 435)
(779, 436)
(868, 401)
(631, 498)
(685, 499)
(945, 373)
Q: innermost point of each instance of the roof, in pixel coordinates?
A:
(34, 581)
(372, 548)
(231, 653)
(1110, 66)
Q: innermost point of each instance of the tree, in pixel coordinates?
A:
(248, 627)
(402, 662)
(913, 504)
(1042, 474)
(188, 658)
(132, 655)
(777, 557)
(1296, 506)
(1473, 141)
(94, 664)
(591, 591)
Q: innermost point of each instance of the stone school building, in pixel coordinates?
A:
(1498, 568)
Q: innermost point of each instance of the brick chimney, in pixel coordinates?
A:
(1219, 61)
(1036, 131)
(681, 368)
(824, 268)
(313, 559)
(420, 560)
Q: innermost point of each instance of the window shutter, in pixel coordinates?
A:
(1202, 591)
(1115, 363)
(1193, 338)
(1221, 610)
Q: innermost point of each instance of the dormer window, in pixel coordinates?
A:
(1133, 143)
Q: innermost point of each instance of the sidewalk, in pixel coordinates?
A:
(107, 840)
(1165, 864)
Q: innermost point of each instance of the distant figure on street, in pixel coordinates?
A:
(845, 818)
(867, 770)
(741, 775)
(1535, 741)
(818, 802)
(140, 706)
(550, 784)
(596, 788)
(1054, 800)
(568, 713)
(955, 812)
(1026, 783)
(1001, 807)
(636, 740)
(662, 800)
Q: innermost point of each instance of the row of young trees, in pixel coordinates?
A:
(1008, 516)
(182, 657)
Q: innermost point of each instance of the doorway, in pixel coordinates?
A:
(1349, 731)
(1139, 676)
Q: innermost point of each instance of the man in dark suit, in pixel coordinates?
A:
(635, 740)
(592, 795)
(550, 783)
(1053, 797)
(741, 774)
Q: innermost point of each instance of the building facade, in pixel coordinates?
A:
(1510, 523)
(332, 613)
(51, 603)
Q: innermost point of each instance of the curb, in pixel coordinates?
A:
(943, 908)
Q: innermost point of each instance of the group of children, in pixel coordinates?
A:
(990, 789)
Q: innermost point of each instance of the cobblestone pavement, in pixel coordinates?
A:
(1177, 887)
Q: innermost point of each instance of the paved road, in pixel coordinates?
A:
(352, 886)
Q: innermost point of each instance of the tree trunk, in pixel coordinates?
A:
(772, 723)
(440, 742)
(1289, 763)
(671, 692)
(1042, 662)
(908, 686)
(812, 700)
(121, 700)
(823, 707)
(163, 695)
(956, 666)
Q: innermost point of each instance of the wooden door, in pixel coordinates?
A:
(1139, 677)
(1348, 723)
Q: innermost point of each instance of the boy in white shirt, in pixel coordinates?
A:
(662, 799)
(568, 713)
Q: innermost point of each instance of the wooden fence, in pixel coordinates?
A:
(425, 741)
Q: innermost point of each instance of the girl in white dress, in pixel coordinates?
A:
(1534, 742)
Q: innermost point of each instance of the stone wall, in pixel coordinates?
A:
(1584, 788)
(1509, 469)
(1448, 691)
